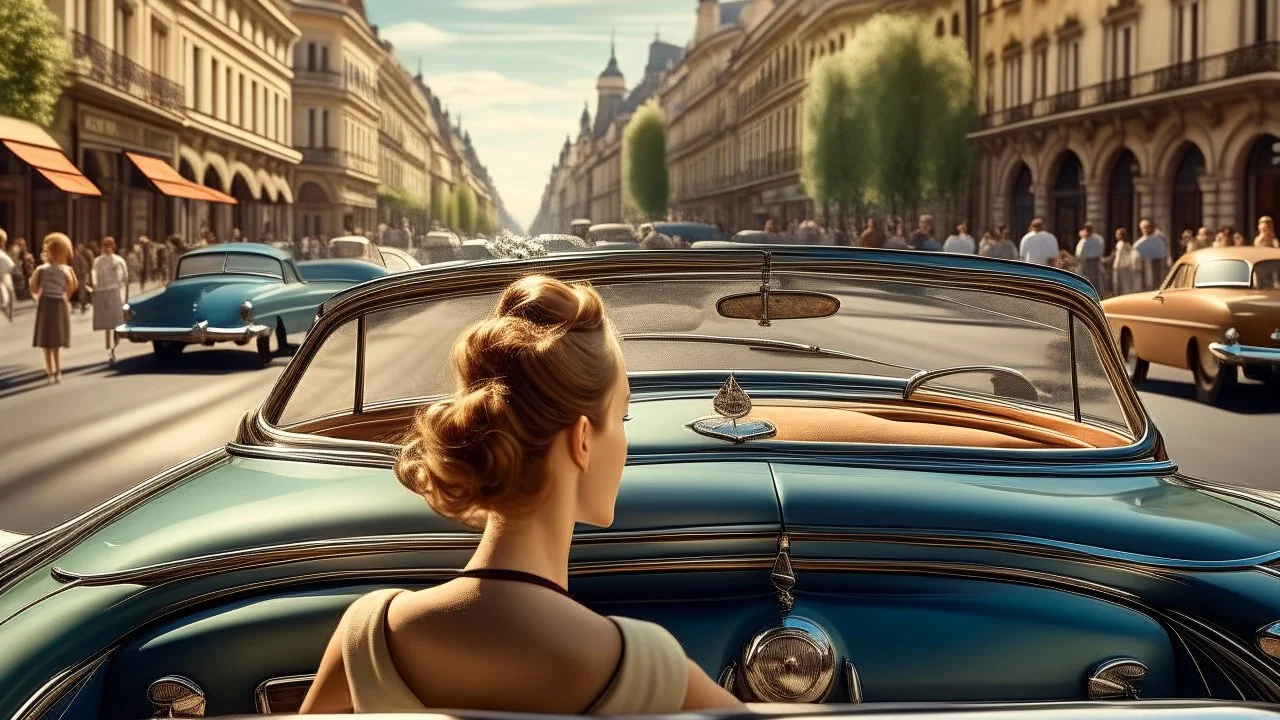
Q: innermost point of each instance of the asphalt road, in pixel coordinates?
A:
(66, 447)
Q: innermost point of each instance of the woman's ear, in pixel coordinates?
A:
(580, 443)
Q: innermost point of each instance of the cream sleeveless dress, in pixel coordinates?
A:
(650, 678)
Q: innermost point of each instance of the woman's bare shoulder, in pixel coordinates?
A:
(507, 648)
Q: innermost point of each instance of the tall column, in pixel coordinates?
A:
(1144, 205)
(1095, 205)
(1040, 191)
(1211, 200)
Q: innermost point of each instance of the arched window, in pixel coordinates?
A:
(955, 24)
(1021, 203)
(1188, 202)
(1120, 197)
(1068, 200)
(941, 28)
(1262, 182)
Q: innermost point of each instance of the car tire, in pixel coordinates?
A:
(167, 352)
(1213, 379)
(265, 353)
(1134, 366)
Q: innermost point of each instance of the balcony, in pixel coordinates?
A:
(318, 78)
(335, 158)
(1251, 60)
(110, 68)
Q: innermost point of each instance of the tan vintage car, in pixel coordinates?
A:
(1217, 311)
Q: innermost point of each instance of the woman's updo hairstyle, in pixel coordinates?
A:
(543, 359)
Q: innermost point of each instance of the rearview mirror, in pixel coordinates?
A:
(783, 305)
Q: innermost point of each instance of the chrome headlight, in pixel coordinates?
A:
(246, 311)
(1231, 337)
(794, 663)
(127, 312)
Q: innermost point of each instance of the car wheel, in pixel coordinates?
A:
(167, 351)
(1135, 366)
(1213, 379)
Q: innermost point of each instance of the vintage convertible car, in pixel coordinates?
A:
(1217, 311)
(237, 292)
(853, 476)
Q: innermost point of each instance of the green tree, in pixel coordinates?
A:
(835, 164)
(449, 212)
(34, 61)
(437, 208)
(644, 160)
(913, 93)
(466, 205)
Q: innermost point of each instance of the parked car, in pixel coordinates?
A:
(1217, 312)
(580, 227)
(687, 231)
(397, 260)
(611, 232)
(554, 243)
(354, 247)
(237, 292)
(903, 501)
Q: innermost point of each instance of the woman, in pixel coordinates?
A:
(110, 278)
(1266, 233)
(530, 443)
(1126, 265)
(53, 285)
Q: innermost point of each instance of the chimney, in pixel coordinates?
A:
(708, 20)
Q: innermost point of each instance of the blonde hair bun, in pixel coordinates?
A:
(544, 358)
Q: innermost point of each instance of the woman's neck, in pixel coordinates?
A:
(537, 543)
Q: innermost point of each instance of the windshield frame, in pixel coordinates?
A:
(1013, 279)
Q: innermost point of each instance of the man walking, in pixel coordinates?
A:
(1089, 255)
(1038, 246)
(1153, 250)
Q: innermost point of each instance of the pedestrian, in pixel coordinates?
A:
(1125, 265)
(922, 238)
(1089, 255)
(1038, 246)
(1154, 252)
(82, 264)
(1001, 247)
(1266, 233)
(110, 290)
(961, 242)
(7, 266)
(896, 241)
(53, 284)
(1204, 238)
(871, 237)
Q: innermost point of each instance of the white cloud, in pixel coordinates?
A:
(415, 35)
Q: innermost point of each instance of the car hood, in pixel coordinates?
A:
(245, 504)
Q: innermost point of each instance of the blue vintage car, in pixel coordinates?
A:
(238, 292)
(926, 480)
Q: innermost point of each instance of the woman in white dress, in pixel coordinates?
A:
(110, 280)
(1126, 265)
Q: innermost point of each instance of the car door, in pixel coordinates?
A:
(1164, 338)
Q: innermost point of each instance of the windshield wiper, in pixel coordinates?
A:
(765, 345)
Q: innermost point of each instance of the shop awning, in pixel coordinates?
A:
(39, 150)
(169, 182)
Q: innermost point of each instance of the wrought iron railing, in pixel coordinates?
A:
(321, 156)
(1251, 60)
(779, 162)
(111, 68)
(318, 78)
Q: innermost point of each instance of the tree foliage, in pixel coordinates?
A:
(465, 202)
(644, 161)
(887, 119)
(34, 61)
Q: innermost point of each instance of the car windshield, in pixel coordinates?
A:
(901, 328)
(1223, 273)
(229, 263)
(1266, 275)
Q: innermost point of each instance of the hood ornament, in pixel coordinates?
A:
(732, 404)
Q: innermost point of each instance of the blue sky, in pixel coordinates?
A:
(518, 71)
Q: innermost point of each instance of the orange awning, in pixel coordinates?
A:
(56, 167)
(169, 182)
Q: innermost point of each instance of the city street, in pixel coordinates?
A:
(72, 445)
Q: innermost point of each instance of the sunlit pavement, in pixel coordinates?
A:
(66, 447)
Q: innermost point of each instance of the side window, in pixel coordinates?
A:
(291, 273)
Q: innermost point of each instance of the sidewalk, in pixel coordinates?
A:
(23, 307)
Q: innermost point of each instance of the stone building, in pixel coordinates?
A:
(404, 145)
(1113, 110)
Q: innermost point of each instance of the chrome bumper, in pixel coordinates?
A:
(198, 333)
(1237, 354)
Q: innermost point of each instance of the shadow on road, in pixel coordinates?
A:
(1245, 399)
(195, 362)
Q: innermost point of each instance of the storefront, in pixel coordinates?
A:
(39, 185)
(130, 205)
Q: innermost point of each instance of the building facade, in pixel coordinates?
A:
(1108, 111)
(735, 105)
(404, 147)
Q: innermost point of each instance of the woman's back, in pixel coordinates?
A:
(53, 280)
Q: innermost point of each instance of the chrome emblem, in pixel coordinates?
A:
(732, 404)
(1119, 679)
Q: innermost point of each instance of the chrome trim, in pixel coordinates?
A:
(732, 404)
(1119, 679)
(188, 700)
(916, 381)
(783, 576)
(762, 683)
(1237, 354)
(1269, 640)
(22, 557)
(854, 682)
(762, 343)
(52, 691)
(261, 699)
(1266, 498)
(729, 678)
(246, 311)
(1244, 660)
(286, 553)
(201, 332)
(1163, 321)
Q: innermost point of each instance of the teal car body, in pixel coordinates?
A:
(887, 571)
(238, 292)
